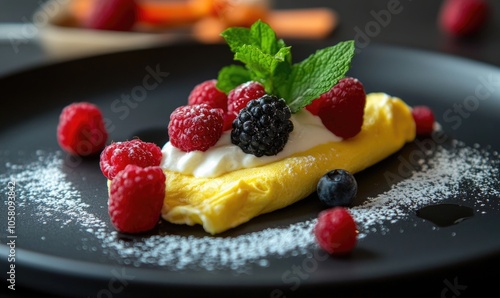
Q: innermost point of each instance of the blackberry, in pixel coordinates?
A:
(263, 126)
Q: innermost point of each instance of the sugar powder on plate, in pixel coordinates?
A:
(43, 183)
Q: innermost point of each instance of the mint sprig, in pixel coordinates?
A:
(268, 60)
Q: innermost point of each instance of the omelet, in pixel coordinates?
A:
(224, 202)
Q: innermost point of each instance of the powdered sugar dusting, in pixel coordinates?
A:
(44, 184)
(440, 177)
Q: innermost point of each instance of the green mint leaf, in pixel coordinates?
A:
(281, 78)
(236, 37)
(263, 66)
(231, 76)
(281, 71)
(267, 58)
(264, 38)
(260, 35)
(254, 59)
(317, 74)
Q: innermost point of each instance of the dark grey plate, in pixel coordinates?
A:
(63, 258)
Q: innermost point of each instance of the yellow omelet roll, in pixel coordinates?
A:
(226, 201)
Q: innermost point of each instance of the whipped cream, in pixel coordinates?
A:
(224, 156)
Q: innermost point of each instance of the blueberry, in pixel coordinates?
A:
(337, 188)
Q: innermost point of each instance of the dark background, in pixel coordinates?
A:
(415, 27)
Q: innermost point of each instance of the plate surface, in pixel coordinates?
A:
(66, 245)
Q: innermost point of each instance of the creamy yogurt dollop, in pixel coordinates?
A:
(225, 157)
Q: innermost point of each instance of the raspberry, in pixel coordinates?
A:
(314, 106)
(118, 15)
(463, 17)
(424, 120)
(263, 126)
(116, 156)
(195, 127)
(342, 108)
(136, 198)
(206, 92)
(81, 130)
(336, 231)
(239, 97)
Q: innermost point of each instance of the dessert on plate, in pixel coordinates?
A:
(232, 198)
(261, 136)
(264, 161)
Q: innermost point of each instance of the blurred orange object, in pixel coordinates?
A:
(166, 13)
(160, 14)
(240, 13)
(80, 10)
(208, 18)
(156, 13)
(66, 36)
(311, 23)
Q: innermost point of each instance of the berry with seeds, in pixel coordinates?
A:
(116, 156)
(239, 97)
(263, 126)
(424, 120)
(337, 188)
(463, 17)
(136, 198)
(81, 130)
(117, 15)
(195, 127)
(342, 108)
(336, 231)
(206, 92)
